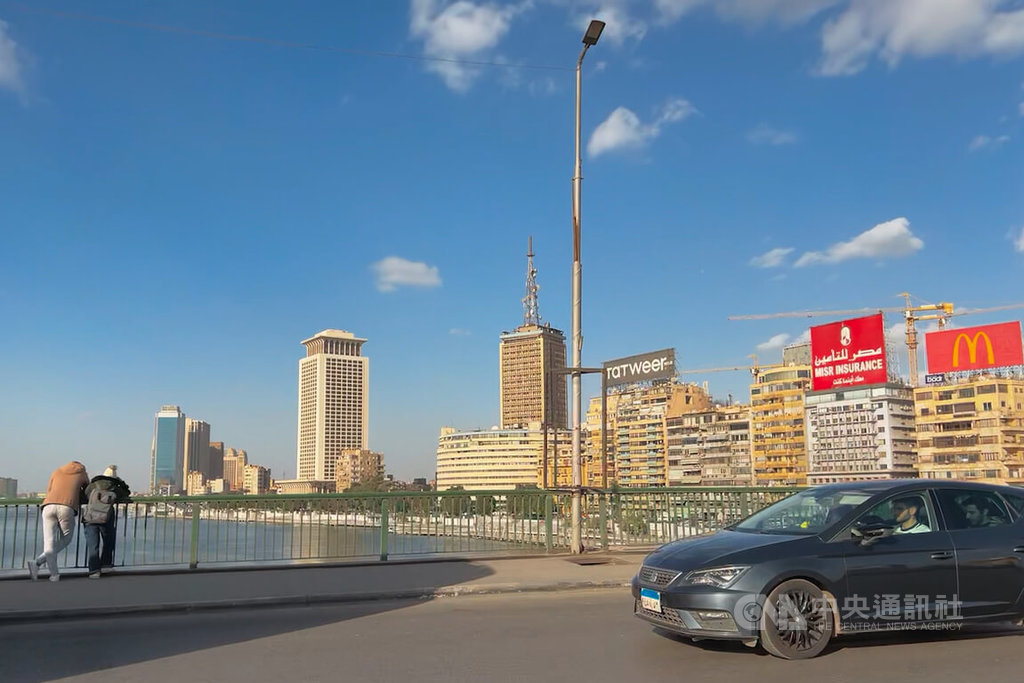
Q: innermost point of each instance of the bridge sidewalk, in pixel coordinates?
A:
(139, 592)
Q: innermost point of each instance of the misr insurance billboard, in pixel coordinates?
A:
(974, 348)
(641, 368)
(848, 353)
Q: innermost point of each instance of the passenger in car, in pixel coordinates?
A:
(979, 513)
(906, 511)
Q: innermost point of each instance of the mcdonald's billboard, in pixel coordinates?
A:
(974, 348)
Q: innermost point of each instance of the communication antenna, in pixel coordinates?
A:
(531, 305)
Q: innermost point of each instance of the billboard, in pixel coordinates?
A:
(641, 368)
(848, 353)
(974, 348)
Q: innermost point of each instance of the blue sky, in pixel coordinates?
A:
(178, 211)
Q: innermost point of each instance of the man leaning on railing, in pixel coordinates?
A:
(99, 516)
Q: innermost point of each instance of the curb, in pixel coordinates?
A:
(20, 616)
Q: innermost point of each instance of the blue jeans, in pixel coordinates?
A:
(93, 534)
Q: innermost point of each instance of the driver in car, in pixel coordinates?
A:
(907, 522)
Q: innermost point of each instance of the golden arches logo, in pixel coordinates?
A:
(972, 348)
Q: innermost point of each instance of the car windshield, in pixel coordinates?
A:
(805, 513)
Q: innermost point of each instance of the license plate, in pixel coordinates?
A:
(650, 600)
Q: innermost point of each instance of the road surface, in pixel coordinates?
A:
(587, 635)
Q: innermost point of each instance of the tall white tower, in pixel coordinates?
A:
(334, 382)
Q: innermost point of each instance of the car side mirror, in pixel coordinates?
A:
(869, 534)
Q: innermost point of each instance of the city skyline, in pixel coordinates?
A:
(736, 161)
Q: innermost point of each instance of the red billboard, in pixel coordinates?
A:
(974, 348)
(848, 353)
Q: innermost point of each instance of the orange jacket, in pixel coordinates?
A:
(66, 485)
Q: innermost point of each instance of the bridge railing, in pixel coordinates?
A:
(188, 531)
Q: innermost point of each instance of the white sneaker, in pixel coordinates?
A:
(55, 578)
(94, 575)
(33, 569)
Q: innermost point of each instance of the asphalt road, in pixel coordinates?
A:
(582, 635)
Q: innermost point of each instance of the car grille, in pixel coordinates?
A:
(667, 616)
(657, 577)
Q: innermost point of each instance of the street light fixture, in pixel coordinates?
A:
(589, 38)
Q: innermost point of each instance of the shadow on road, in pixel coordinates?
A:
(44, 651)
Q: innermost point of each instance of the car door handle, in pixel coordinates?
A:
(944, 555)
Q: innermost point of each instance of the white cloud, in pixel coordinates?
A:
(766, 135)
(10, 64)
(393, 272)
(804, 337)
(1018, 243)
(892, 29)
(776, 342)
(624, 130)
(1020, 108)
(459, 332)
(771, 259)
(747, 11)
(460, 30)
(892, 239)
(986, 142)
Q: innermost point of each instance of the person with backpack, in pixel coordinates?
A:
(63, 498)
(99, 516)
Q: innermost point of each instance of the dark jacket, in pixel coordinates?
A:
(115, 484)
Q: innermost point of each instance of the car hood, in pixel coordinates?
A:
(706, 551)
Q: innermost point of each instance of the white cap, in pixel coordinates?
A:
(110, 471)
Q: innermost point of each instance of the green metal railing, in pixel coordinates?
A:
(221, 530)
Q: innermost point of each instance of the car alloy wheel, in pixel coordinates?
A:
(797, 622)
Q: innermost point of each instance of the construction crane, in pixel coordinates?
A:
(940, 312)
(754, 369)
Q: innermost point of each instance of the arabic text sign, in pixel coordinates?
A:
(848, 353)
(974, 348)
(642, 368)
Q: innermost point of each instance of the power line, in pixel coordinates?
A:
(267, 41)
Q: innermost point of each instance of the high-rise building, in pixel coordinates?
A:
(197, 448)
(168, 452)
(972, 430)
(357, 466)
(532, 385)
(216, 460)
(491, 459)
(256, 480)
(234, 468)
(196, 484)
(334, 381)
(860, 433)
(714, 445)
(778, 443)
(593, 435)
(8, 488)
(640, 429)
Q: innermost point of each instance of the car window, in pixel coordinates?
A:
(809, 512)
(1016, 502)
(906, 513)
(972, 509)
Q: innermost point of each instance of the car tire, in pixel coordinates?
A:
(797, 621)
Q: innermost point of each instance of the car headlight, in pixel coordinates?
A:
(719, 577)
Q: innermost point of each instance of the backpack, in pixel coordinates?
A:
(100, 506)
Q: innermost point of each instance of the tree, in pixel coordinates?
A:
(455, 505)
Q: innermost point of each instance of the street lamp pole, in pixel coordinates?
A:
(589, 38)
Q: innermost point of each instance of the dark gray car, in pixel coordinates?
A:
(844, 558)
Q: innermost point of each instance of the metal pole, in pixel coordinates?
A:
(604, 435)
(544, 476)
(577, 337)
